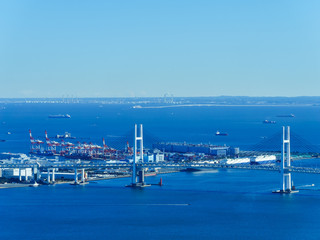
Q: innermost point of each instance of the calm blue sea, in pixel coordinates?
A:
(221, 204)
(91, 122)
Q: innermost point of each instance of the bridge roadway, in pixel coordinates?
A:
(180, 166)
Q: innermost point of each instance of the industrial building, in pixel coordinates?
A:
(207, 149)
(17, 173)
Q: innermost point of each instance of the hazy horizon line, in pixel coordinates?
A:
(130, 97)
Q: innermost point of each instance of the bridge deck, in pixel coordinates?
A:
(162, 165)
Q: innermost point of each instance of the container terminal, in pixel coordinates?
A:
(163, 151)
(66, 147)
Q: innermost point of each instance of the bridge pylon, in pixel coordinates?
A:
(286, 181)
(138, 158)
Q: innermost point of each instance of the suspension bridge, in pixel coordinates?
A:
(280, 143)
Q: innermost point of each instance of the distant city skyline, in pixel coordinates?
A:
(149, 48)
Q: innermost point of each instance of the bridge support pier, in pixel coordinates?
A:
(76, 182)
(20, 178)
(141, 176)
(140, 183)
(286, 181)
(83, 180)
(53, 175)
(35, 174)
(48, 176)
(38, 174)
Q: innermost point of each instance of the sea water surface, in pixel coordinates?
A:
(224, 204)
(91, 122)
(219, 204)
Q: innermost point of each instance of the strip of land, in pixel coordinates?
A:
(16, 185)
(224, 105)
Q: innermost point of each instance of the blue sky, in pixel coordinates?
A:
(149, 48)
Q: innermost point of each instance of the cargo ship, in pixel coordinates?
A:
(137, 106)
(218, 133)
(60, 116)
(65, 135)
(269, 122)
(286, 115)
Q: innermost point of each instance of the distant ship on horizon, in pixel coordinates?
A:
(269, 122)
(60, 116)
(286, 115)
(218, 133)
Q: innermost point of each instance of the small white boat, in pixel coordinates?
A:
(34, 185)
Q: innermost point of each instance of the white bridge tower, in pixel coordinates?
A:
(286, 181)
(137, 155)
